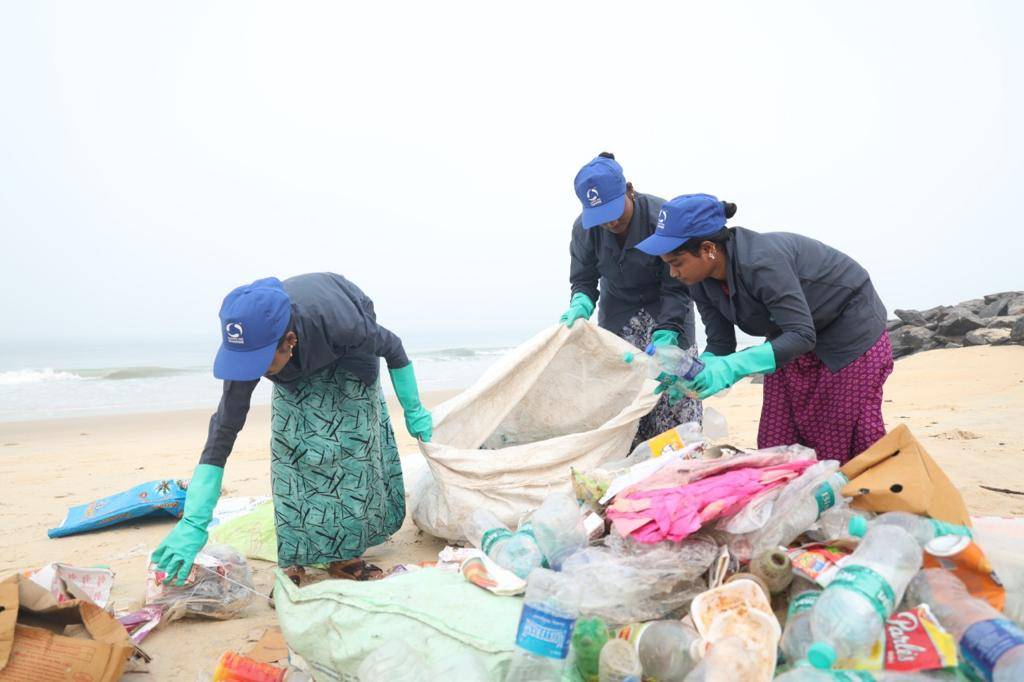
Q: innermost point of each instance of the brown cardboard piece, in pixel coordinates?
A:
(270, 648)
(30, 652)
(897, 474)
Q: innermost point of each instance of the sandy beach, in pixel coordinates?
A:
(966, 406)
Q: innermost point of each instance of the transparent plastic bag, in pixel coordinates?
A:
(219, 586)
(629, 582)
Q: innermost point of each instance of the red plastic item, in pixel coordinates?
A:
(234, 667)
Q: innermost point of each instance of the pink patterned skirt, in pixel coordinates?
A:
(839, 414)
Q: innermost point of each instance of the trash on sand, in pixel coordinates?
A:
(31, 650)
(269, 648)
(142, 622)
(234, 667)
(66, 582)
(251, 533)
(219, 586)
(229, 508)
(155, 498)
(480, 570)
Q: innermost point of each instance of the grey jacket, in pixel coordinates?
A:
(627, 279)
(799, 293)
(336, 324)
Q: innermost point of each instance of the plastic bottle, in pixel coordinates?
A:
(558, 527)
(664, 648)
(991, 643)
(850, 613)
(674, 361)
(234, 667)
(517, 552)
(590, 636)
(793, 514)
(619, 662)
(923, 528)
(728, 660)
(544, 636)
(797, 637)
(834, 523)
(394, 661)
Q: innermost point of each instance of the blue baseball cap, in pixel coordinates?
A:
(685, 217)
(253, 318)
(601, 188)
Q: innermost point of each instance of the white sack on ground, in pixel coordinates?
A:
(564, 398)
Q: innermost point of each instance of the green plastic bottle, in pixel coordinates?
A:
(589, 638)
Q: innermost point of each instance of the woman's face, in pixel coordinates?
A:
(693, 269)
(620, 226)
(283, 354)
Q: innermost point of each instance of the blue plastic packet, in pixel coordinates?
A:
(155, 498)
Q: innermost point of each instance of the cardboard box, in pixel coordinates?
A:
(33, 648)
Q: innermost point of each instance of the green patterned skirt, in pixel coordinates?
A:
(334, 469)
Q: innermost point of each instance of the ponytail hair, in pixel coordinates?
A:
(730, 209)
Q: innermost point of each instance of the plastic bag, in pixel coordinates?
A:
(628, 582)
(155, 498)
(219, 586)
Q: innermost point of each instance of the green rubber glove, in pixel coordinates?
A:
(417, 419)
(579, 306)
(177, 552)
(665, 337)
(720, 373)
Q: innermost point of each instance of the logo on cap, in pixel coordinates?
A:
(234, 333)
(661, 220)
(593, 197)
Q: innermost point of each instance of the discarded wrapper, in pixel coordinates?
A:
(818, 562)
(912, 641)
(66, 582)
(480, 570)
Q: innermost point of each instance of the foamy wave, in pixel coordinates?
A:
(36, 376)
(456, 354)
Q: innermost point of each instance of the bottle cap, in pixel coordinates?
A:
(627, 357)
(821, 655)
(858, 526)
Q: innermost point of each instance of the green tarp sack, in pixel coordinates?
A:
(252, 535)
(334, 624)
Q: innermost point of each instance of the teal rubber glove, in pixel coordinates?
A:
(580, 306)
(664, 337)
(177, 552)
(418, 420)
(720, 373)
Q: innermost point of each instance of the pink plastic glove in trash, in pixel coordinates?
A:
(674, 513)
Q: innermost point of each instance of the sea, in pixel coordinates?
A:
(53, 379)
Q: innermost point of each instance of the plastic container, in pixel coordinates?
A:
(796, 636)
(558, 527)
(234, 667)
(544, 635)
(590, 636)
(798, 507)
(673, 361)
(848, 616)
(991, 643)
(619, 662)
(394, 661)
(664, 648)
(729, 660)
(923, 528)
(517, 552)
(774, 569)
(736, 595)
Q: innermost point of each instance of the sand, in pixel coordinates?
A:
(966, 405)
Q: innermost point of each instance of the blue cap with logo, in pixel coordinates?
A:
(683, 218)
(601, 188)
(253, 318)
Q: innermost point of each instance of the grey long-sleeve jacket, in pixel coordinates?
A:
(799, 293)
(627, 279)
(335, 323)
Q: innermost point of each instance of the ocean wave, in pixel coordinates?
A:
(451, 354)
(48, 374)
(36, 376)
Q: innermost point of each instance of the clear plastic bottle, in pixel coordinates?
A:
(619, 662)
(797, 511)
(727, 660)
(850, 613)
(558, 527)
(923, 528)
(673, 360)
(834, 523)
(664, 648)
(394, 661)
(517, 552)
(797, 637)
(991, 643)
(544, 636)
(589, 637)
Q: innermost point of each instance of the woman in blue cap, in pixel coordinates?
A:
(334, 469)
(827, 353)
(640, 301)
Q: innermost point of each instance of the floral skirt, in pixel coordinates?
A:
(663, 417)
(334, 469)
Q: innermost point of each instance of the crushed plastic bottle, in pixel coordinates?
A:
(394, 662)
(558, 527)
(664, 648)
(796, 636)
(670, 360)
(834, 523)
(544, 636)
(589, 637)
(619, 662)
(849, 615)
(923, 528)
(798, 506)
(728, 660)
(517, 552)
(991, 643)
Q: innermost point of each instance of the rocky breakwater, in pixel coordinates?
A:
(996, 319)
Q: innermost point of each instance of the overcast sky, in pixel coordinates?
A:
(155, 155)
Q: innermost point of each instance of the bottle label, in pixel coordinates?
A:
(825, 495)
(868, 584)
(984, 643)
(544, 634)
(943, 528)
(696, 367)
(803, 602)
(665, 443)
(491, 537)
